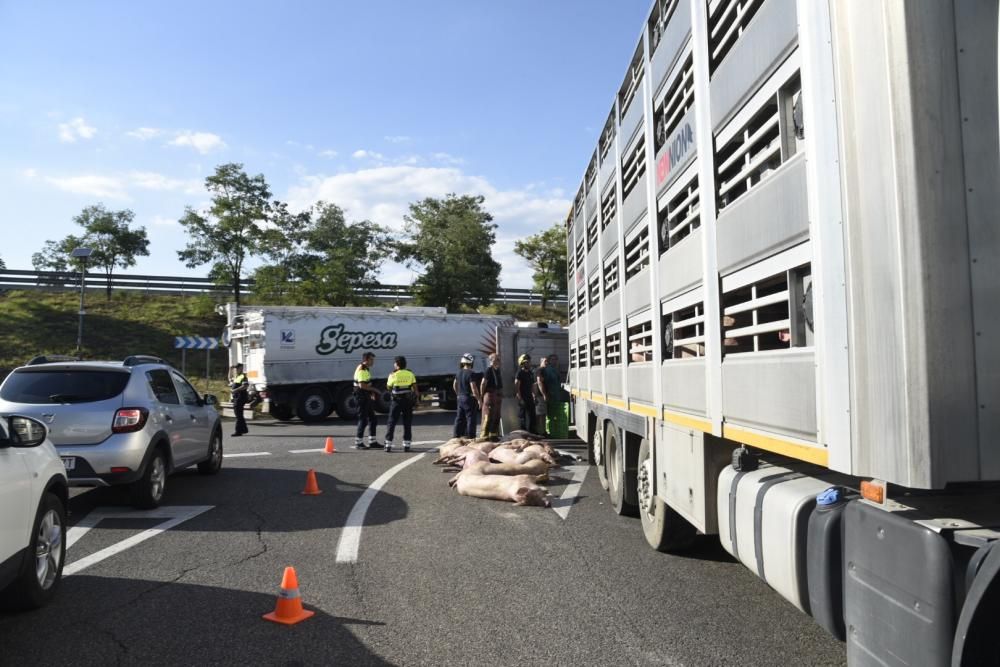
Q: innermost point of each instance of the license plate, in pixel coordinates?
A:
(69, 462)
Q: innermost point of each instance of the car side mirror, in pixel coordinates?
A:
(24, 432)
(211, 399)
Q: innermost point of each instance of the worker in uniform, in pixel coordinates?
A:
(524, 385)
(365, 394)
(402, 385)
(240, 386)
(491, 389)
(556, 420)
(466, 388)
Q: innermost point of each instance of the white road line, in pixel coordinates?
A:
(562, 504)
(174, 515)
(304, 451)
(350, 537)
(243, 454)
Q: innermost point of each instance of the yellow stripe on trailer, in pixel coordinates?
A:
(687, 421)
(616, 403)
(644, 410)
(810, 454)
(597, 398)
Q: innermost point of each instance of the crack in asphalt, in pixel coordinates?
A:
(261, 522)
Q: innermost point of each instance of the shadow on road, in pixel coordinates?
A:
(134, 621)
(255, 499)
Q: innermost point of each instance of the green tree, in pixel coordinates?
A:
(114, 242)
(233, 229)
(545, 252)
(450, 241)
(318, 257)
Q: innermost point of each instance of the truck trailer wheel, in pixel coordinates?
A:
(282, 412)
(597, 456)
(665, 529)
(313, 403)
(614, 462)
(382, 402)
(347, 405)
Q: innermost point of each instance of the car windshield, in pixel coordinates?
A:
(83, 386)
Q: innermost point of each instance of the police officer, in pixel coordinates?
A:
(402, 386)
(240, 386)
(365, 394)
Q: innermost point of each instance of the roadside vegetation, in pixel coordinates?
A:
(40, 322)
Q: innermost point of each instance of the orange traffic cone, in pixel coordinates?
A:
(312, 488)
(288, 609)
(330, 447)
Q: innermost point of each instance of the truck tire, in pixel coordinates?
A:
(449, 400)
(382, 402)
(665, 530)
(282, 412)
(598, 456)
(614, 448)
(313, 403)
(347, 405)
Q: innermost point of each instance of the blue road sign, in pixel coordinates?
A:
(195, 343)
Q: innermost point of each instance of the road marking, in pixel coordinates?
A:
(350, 537)
(172, 515)
(303, 451)
(562, 504)
(235, 456)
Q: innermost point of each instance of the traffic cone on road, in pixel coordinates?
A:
(288, 609)
(312, 488)
(330, 447)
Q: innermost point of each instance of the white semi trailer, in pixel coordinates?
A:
(783, 279)
(302, 359)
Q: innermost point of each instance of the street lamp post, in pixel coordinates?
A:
(82, 254)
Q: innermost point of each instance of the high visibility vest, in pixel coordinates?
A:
(400, 381)
(362, 374)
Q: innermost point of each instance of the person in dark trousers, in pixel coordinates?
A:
(491, 388)
(466, 388)
(402, 386)
(524, 386)
(240, 386)
(364, 393)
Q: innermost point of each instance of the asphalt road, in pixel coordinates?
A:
(438, 579)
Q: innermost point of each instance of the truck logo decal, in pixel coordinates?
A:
(679, 145)
(288, 336)
(334, 338)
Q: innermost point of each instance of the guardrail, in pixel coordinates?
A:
(186, 285)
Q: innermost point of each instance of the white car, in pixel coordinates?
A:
(33, 500)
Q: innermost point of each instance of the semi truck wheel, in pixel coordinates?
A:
(313, 404)
(665, 529)
(614, 449)
(382, 402)
(281, 412)
(597, 456)
(347, 405)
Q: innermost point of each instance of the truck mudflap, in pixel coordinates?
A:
(976, 641)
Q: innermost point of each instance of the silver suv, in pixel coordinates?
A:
(119, 422)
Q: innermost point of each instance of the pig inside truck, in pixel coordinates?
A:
(302, 360)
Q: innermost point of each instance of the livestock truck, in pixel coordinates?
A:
(785, 307)
(302, 359)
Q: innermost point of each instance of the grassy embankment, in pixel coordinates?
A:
(39, 322)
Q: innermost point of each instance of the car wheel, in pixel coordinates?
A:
(313, 404)
(665, 530)
(42, 569)
(147, 491)
(213, 463)
(282, 412)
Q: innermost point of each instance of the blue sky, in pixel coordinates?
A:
(367, 105)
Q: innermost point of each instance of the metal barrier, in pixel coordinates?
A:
(186, 285)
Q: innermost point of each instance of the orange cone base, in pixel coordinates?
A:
(314, 492)
(292, 619)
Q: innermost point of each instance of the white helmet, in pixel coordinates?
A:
(467, 358)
